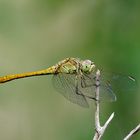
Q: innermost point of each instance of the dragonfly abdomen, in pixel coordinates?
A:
(50, 70)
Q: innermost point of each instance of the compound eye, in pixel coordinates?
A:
(87, 62)
(86, 65)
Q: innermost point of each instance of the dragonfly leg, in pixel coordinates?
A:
(87, 81)
(77, 92)
(91, 97)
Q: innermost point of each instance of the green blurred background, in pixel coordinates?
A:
(35, 34)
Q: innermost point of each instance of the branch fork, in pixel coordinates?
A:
(99, 130)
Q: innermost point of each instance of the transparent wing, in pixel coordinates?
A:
(106, 92)
(110, 84)
(88, 87)
(65, 84)
(120, 83)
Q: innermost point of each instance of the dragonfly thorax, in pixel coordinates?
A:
(73, 66)
(87, 66)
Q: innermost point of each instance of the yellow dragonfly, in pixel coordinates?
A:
(75, 79)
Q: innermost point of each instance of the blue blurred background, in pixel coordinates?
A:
(35, 34)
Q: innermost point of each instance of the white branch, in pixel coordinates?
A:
(131, 133)
(98, 128)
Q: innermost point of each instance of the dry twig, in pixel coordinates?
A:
(131, 133)
(98, 128)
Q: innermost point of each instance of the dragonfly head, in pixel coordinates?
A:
(87, 66)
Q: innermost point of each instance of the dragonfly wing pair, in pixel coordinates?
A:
(85, 88)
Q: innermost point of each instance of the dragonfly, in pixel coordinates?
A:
(75, 80)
